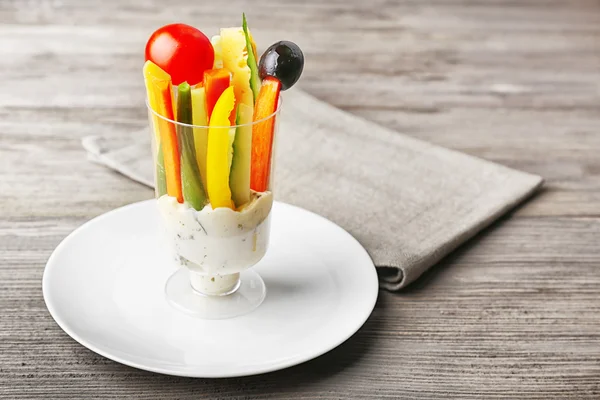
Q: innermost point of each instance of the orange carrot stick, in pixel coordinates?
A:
(159, 88)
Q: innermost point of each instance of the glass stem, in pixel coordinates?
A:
(214, 285)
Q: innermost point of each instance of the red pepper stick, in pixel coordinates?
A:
(215, 83)
(262, 133)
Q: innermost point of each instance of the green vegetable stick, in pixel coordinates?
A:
(252, 64)
(239, 177)
(193, 190)
(161, 180)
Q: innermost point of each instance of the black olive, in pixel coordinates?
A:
(283, 60)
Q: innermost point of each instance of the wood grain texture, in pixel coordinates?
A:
(515, 313)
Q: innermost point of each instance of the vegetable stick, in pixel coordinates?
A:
(191, 184)
(239, 177)
(219, 151)
(159, 88)
(215, 83)
(200, 118)
(262, 133)
(251, 60)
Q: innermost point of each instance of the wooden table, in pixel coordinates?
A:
(515, 313)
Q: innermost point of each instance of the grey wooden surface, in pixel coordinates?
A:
(515, 313)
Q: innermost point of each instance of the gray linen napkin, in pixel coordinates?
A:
(409, 203)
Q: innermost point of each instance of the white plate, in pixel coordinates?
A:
(104, 286)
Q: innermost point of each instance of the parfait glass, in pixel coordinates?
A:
(214, 245)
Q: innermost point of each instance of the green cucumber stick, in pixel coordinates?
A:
(161, 180)
(191, 183)
(239, 177)
(252, 64)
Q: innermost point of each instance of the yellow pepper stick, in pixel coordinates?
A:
(219, 151)
(157, 150)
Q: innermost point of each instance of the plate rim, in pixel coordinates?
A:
(166, 371)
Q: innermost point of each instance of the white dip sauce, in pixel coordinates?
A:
(215, 245)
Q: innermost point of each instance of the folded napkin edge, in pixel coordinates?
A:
(406, 276)
(95, 154)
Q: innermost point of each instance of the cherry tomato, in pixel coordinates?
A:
(182, 51)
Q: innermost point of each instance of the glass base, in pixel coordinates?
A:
(248, 294)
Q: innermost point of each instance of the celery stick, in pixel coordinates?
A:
(191, 183)
(254, 78)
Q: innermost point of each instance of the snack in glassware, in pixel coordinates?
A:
(213, 113)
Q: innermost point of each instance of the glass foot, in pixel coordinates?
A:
(248, 294)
